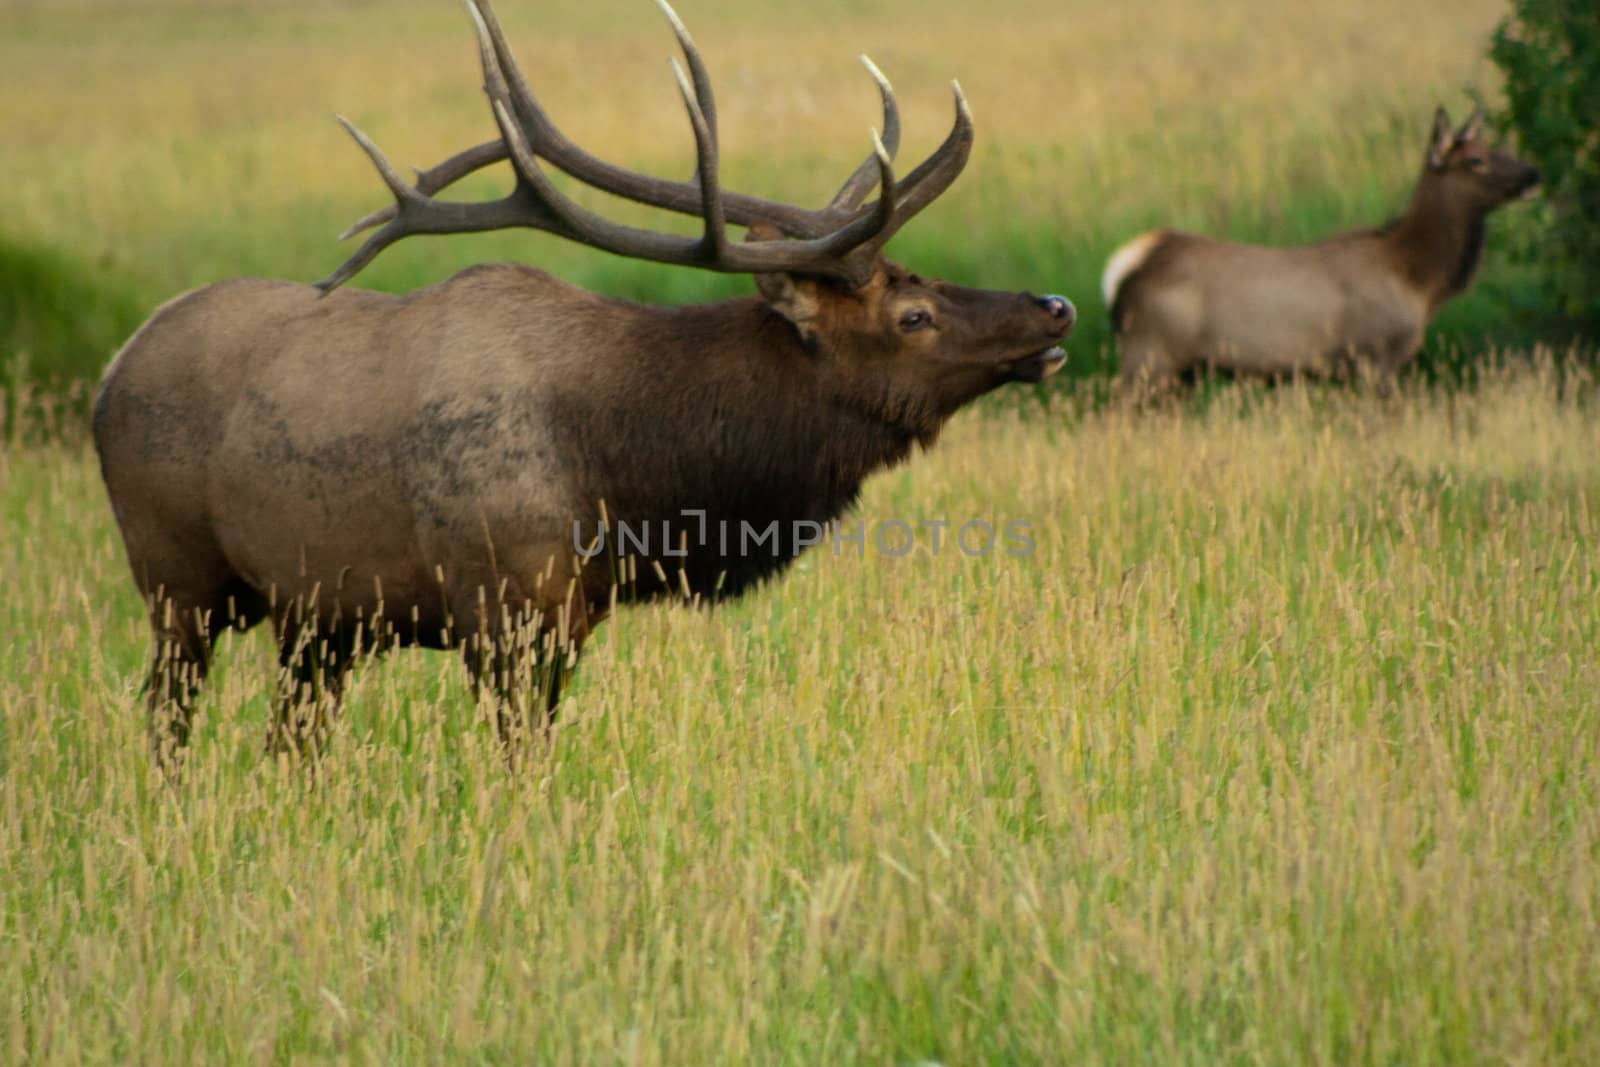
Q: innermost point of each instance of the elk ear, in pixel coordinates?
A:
(794, 298)
(1441, 140)
(1471, 128)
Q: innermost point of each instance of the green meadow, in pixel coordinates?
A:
(1279, 747)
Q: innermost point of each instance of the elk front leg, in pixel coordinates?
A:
(523, 674)
(1394, 356)
(525, 661)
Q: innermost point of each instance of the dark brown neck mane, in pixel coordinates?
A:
(756, 432)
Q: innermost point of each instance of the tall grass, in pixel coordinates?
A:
(163, 144)
(1282, 747)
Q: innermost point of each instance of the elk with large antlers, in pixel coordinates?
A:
(367, 470)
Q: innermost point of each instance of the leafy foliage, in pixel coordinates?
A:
(1549, 51)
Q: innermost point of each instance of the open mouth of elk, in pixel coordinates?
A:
(1040, 365)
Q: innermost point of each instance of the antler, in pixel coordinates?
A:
(841, 240)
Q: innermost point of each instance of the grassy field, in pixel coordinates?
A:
(1280, 748)
(154, 145)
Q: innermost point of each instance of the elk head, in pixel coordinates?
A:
(1465, 169)
(917, 348)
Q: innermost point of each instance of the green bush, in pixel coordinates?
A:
(60, 320)
(1549, 51)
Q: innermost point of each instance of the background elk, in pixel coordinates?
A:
(1359, 301)
(368, 470)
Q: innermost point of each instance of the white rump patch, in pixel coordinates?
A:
(1124, 261)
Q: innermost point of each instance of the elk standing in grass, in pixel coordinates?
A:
(1356, 302)
(367, 470)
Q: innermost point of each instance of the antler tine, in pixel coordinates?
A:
(879, 222)
(934, 174)
(403, 194)
(435, 178)
(426, 216)
(413, 212)
(463, 163)
(555, 145)
(524, 105)
(697, 69)
(865, 227)
(391, 177)
(364, 255)
(682, 197)
(856, 187)
(849, 252)
(571, 220)
(705, 143)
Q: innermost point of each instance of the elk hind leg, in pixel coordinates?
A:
(186, 622)
(178, 666)
(314, 660)
(1147, 369)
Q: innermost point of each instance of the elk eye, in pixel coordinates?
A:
(915, 320)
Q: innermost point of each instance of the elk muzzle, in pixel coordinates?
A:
(1040, 365)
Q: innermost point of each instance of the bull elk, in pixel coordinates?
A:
(368, 470)
(1358, 302)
